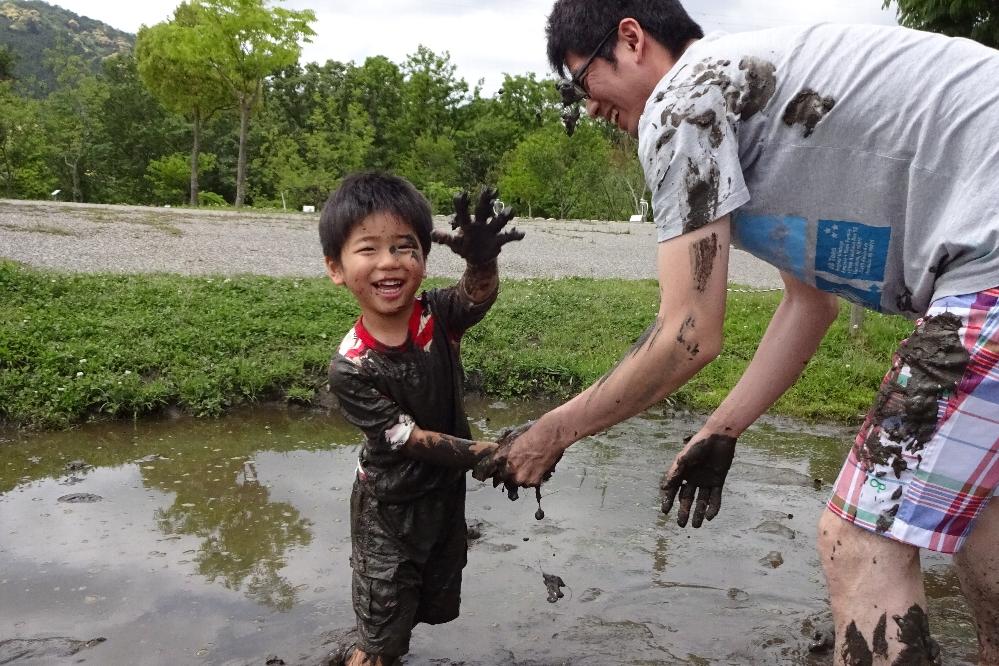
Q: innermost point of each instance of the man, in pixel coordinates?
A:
(861, 161)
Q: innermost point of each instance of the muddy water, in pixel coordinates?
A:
(225, 542)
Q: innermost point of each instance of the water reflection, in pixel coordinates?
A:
(244, 534)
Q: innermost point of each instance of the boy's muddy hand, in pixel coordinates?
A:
(478, 240)
(700, 468)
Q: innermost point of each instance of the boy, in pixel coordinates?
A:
(398, 377)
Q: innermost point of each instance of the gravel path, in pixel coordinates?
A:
(136, 239)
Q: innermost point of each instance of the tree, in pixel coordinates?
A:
(74, 116)
(175, 70)
(244, 42)
(976, 19)
(7, 61)
(24, 153)
(134, 128)
(551, 175)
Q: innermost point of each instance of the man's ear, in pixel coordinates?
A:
(334, 270)
(631, 35)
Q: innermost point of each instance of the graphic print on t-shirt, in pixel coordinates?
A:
(846, 258)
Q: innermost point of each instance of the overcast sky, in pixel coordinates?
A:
(486, 38)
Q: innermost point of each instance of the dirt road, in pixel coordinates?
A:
(136, 239)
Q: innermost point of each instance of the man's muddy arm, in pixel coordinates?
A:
(700, 469)
(686, 336)
(447, 450)
(792, 337)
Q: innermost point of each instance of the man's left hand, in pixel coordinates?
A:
(700, 468)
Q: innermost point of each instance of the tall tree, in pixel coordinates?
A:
(24, 147)
(136, 128)
(74, 115)
(176, 71)
(244, 42)
(977, 19)
(7, 60)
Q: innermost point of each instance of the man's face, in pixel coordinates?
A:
(616, 92)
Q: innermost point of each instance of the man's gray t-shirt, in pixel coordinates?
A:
(864, 160)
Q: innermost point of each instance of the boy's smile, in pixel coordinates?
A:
(382, 264)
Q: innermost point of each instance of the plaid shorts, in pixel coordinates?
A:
(926, 461)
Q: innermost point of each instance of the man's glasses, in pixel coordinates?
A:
(572, 89)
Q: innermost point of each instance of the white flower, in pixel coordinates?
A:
(79, 374)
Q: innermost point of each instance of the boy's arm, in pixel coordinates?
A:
(446, 450)
(478, 241)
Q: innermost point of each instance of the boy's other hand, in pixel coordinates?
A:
(478, 241)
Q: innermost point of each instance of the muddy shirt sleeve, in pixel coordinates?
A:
(385, 426)
(690, 155)
(457, 310)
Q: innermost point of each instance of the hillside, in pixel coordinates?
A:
(31, 27)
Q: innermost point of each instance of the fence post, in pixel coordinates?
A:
(857, 313)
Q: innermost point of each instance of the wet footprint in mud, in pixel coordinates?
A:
(553, 584)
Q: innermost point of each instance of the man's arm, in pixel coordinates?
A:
(795, 331)
(686, 336)
(792, 337)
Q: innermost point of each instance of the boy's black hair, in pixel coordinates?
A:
(577, 26)
(365, 193)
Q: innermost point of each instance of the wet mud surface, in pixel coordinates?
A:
(226, 542)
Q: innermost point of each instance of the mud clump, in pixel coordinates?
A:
(773, 559)
(554, 585)
(80, 498)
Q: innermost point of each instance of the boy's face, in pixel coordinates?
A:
(382, 264)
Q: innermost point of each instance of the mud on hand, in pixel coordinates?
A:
(699, 469)
(478, 240)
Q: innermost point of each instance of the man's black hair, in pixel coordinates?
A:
(363, 194)
(577, 26)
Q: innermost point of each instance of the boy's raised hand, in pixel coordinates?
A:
(478, 240)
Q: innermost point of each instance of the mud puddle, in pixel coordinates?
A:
(226, 542)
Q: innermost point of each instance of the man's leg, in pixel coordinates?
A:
(978, 568)
(876, 593)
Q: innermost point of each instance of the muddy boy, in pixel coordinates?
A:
(861, 161)
(398, 377)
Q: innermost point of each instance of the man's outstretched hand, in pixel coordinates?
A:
(478, 240)
(700, 468)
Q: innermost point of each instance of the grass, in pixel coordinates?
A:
(38, 228)
(83, 347)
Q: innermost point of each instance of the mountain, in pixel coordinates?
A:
(29, 28)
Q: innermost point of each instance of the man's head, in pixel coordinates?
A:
(615, 51)
(375, 231)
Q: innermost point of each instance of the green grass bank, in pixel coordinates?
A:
(88, 347)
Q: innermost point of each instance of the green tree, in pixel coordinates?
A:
(550, 175)
(176, 71)
(24, 150)
(977, 19)
(74, 117)
(244, 42)
(432, 93)
(377, 88)
(135, 126)
(7, 60)
(169, 176)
